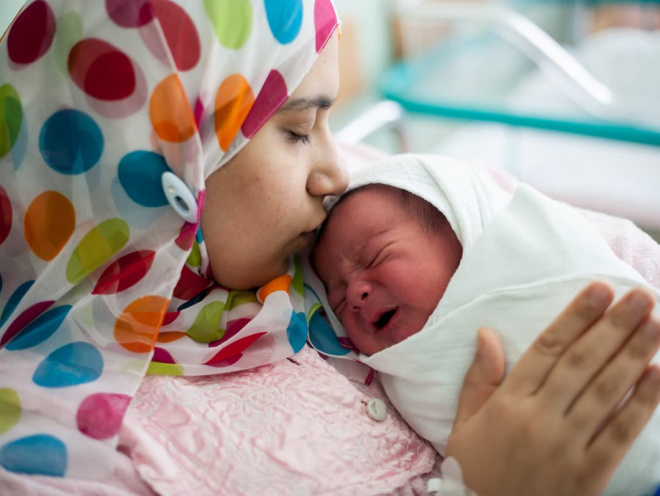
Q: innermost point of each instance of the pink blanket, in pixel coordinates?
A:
(294, 427)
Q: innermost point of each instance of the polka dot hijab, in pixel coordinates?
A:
(101, 280)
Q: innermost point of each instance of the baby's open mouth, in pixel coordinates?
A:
(384, 319)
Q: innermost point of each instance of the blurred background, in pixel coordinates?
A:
(562, 94)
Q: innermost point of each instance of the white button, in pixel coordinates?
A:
(180, 197)
(376, 409)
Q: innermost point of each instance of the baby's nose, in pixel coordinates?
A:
(358, 293)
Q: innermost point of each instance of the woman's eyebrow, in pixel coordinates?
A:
(300, 104)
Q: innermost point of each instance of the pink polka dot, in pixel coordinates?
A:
(5, 215)
(129, 13)
(99, 415)
(180, 33)
(272, 95)
(162, 356)
(101, 70)
(325, 22)
(28, 315)
(32, 33)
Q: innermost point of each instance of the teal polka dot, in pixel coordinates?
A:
(323, 337)
(139, 174)
(297, 331)
(284, 18)
(41, 454)
(70, 365)
(14, 300)
(39, 329)
(71, 142)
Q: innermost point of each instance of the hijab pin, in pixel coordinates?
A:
(180, 197)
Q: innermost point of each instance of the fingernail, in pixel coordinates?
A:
(639, 300)
(651, 329)
(598, 293)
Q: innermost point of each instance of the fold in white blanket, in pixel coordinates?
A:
(524, 259)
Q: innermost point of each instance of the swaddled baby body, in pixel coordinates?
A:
(424, 250)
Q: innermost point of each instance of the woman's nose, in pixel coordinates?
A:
(328, 176)
(357, 294)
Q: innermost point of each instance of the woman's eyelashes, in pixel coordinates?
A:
(298, 138)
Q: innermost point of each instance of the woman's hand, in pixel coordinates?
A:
(552, 426)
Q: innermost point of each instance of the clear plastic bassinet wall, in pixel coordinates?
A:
(564, 95)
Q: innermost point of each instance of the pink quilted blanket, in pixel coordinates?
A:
(297, 427)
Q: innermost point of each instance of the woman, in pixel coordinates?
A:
(104, 267)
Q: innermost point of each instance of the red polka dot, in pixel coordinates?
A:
(101, 70)
(190, 284)
(180, 33)
(272, 95)
(325, 22)
(231, 353)
(5, 215)
(100, 415)
(27, 316)
(32, 33)
(125, 272)
(162, 356)
(129, 13)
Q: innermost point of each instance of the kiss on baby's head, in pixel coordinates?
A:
(385, 257)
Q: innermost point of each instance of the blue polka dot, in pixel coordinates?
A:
(39, 329)
(199, 236)
(138, 218)
(139, 174)
(284, 18)
(71, 142)
(14, 300)
(36, 455)
(70, 365)
(323, 337)
(297, 331)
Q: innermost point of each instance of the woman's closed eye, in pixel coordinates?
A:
(298, 138)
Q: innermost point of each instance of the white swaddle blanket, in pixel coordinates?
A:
(525, 257)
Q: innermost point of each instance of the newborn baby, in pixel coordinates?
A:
(422, 251)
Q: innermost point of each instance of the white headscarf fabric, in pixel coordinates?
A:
(98, 274)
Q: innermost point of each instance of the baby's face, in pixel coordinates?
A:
(384, 274)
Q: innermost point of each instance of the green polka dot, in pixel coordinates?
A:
(69, 32)
(157, 368)
(232, 20)
(11, 118)
(238, 298)
(10, 409)
(297, 282)
(195, 257)
(96, 248)
(206, 329)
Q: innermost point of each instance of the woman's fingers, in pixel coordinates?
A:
(483, 377)
(610, 386)
(579, 365)
(537, 362)
(621, 430)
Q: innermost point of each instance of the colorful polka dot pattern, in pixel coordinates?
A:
(100, 280)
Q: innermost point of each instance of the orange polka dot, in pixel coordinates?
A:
(233, 102)
(49, 222)
(137, 327)
(281, 283)
(168, 337)
(170, 112)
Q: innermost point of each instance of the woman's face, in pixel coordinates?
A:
(266, 202)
